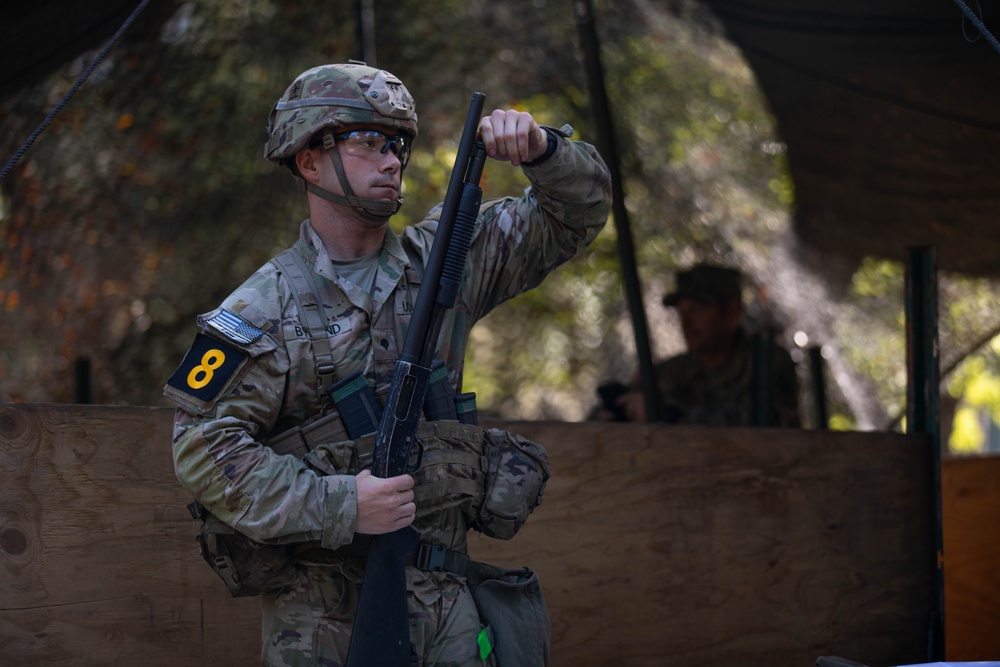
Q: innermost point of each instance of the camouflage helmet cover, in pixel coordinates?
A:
(334, 96)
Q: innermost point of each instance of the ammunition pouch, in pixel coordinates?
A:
(509, 600)
(511, 605)
(494, 476)
(517, 471)
(247, 567)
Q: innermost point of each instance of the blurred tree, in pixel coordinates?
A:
(148, 199)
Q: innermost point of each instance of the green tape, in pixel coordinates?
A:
(348, 386)
(485, 641)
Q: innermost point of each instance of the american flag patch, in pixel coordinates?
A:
(234, 327)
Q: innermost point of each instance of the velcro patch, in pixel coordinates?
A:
(234, 327)
(206, 368)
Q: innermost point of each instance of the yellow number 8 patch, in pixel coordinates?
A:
(203, 373)
(207, 368)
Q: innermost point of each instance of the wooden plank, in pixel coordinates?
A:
(686, 546)
(656, 545)
(971, 509)
(98, 563)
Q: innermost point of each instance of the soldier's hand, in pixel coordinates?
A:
(513, 136)
(384, 505)
(634, 405)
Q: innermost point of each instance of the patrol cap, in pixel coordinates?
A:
(706, 283)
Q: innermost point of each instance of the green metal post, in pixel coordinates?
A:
(817, 382)
(608, 147)
(923, 409)
(762, 347)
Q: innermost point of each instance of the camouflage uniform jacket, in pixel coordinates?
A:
(723, 396)
(219, 428)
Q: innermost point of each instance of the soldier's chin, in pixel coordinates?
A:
(385, 193)
(377, 216)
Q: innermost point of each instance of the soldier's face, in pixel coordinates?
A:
(373, 174)
(708, 327)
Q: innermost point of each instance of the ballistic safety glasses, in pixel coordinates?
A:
(371, 143)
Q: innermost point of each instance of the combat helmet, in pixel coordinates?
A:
(328, 97)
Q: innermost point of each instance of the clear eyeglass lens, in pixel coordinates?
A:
(372, 142)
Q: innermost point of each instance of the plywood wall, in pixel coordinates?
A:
(693, 546)
(971, 509)
(98, 563)
(655, 545)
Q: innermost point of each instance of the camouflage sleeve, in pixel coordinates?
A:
(519, 241)
(229, 391)
(523, 240)
(267, 496)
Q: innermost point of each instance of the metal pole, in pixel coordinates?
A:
(366, 31)
(626, 249)
(82, 394)
(923, 410)
(817, 380)
(761, 347)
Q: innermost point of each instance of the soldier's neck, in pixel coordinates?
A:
(350, 236)
(717, 357)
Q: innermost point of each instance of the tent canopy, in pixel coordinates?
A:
(891, 116)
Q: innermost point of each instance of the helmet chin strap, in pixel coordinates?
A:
(373, 209)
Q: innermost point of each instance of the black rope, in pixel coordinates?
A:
(72, 91)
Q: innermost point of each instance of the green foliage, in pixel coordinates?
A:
(976, 385)
(875, 329)
(873, 324)
(148, 200)
(841, 422)
(168, 204)
(879, 279)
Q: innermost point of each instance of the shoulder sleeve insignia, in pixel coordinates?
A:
(233, 327)
(206, 368)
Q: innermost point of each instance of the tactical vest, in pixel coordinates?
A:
(488, 480)
(386, 331)
(494, 478)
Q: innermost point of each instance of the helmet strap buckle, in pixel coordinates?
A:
(329, 143)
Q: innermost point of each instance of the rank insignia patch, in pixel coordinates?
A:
(206, 368)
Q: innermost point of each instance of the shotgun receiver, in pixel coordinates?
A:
(381, 634)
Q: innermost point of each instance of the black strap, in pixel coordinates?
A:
(428, 557)
(312, 313)
(439, 559)
(416, 263)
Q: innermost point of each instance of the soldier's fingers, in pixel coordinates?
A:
(487, 135)
(498, 121)
(400, 483)
(508, 135)
(525, 127)
(404, 497)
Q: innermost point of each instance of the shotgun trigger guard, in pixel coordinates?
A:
(414, 467)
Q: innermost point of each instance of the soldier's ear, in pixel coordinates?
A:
(307, 161)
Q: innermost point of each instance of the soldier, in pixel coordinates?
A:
(713, 382)
(337, 302)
